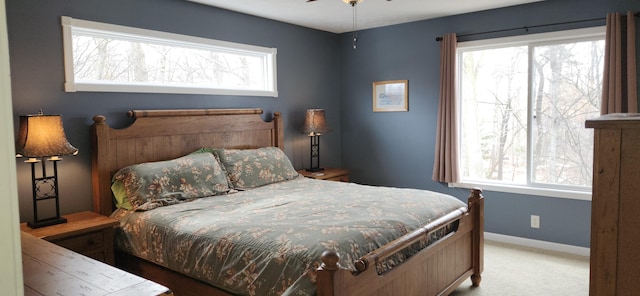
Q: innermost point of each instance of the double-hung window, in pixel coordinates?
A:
(523, 104)
(113, 58)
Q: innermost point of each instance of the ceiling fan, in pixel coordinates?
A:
(355, 18)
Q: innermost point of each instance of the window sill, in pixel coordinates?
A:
(558, 193)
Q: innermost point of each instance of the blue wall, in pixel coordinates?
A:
(315, 70)
(308, 61)
(397, 148)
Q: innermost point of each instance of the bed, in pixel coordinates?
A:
(436, 257)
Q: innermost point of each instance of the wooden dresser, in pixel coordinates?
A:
(615, 208)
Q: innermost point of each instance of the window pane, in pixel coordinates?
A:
(121, 61)
(106, 57)
(523, 104)
(493, 114)
(566, 91)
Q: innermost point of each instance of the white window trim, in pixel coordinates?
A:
(528, 189)
(68, 24)
(524, 189)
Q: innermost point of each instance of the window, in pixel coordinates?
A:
(523, 104)
(112, 58)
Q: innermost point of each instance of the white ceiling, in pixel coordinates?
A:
(337, 17)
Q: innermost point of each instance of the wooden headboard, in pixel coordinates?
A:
(165, 134)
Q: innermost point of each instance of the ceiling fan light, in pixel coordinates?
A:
(352, 2)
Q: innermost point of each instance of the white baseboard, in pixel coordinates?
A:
(581, 251)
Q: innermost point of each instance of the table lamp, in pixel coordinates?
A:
(315, 125)
(41, 136)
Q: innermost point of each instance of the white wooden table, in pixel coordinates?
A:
(53, 270)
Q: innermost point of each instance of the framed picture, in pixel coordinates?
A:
(391, 95)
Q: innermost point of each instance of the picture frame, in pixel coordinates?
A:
(391, 96)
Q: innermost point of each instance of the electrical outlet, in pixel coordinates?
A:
(535, 221)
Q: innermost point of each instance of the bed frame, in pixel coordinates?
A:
(164, 134)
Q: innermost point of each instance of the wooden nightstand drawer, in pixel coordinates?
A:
(343, 178)
(83, 243)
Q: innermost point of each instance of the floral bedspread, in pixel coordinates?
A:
(268, 240)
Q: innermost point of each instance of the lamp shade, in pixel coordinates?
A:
(315, 122)
(42, 136)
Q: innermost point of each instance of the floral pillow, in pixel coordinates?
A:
(147, 186)
(250, 168)
(213, 152)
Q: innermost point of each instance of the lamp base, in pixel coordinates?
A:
(315, 169)
(47, 222)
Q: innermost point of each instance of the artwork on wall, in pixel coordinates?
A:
(391, 95)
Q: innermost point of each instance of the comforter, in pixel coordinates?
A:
(268, 240)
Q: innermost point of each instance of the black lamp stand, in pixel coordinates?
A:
(40, 193)
(315, 153)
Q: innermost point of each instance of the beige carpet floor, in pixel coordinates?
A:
(520, 271)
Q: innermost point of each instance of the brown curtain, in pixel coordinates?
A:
(445, 164)
(619, 86)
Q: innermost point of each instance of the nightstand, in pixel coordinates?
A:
(330, 174)
(87, 233)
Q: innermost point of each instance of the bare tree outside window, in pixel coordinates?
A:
(567, 84)
(101, 59)
(494, 93)
(104, 57)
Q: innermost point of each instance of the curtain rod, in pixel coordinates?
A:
(526, 28)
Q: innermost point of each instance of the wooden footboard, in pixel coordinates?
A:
(436, 270)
